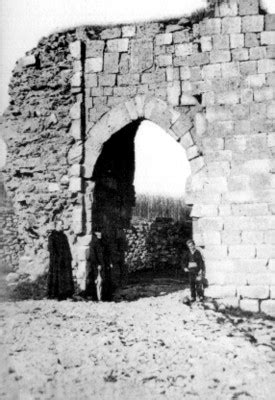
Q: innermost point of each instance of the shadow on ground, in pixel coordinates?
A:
(150, 283)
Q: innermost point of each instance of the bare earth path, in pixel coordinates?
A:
(151, 348)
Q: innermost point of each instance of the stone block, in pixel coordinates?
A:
(255, 80)
(141, 55)
(221, 42)
(210, 26)
(224, 210)
(196, 164)
(231, 237)
(188, 100)
(75, 153)
(164, 60)
(200, 124)
(77, 220)
(206, 43)
(213, 239)
(229, 97)
(117, 45)
(227, 8)
(163, 38)
(248, 67)
(267, 38)
(257, 53)
(184, 49)
(217, 252)
(228, 302)
(186, 140)
(218, 113)
(75, 129)
(211, 224)
(271, 110)
(265, 250)
(270, 22)
(231, 25)
(249, 305)
(181, 36)
(252, 237)
(253, 23)
(128, 31)
(75, 170)
(250, 209)
(270, 53)
(75, 111)
(245, 126)
(271, 139)
(91, 80)
(240, 54)
(192, 152)
(211, 144)
(251, 39)
(211, 71)
(75, 49)
(248, 7)
(93, 64)
(241, 251)
(76, 79)
(111, 62)
(75, 184)
(83, 253)
(236, 40)
(268, 307)
(272, 291)
(53, 187)
(253, 292)
(262, 279)
(107, 79)
(110, 33)
(230, 70)
(220, 56)
(263, 94)
(216, 291)
(238, 182)
(94, 48)
(182, 126)
(204, 210)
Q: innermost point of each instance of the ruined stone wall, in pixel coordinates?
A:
(209, 84)
(8, 231)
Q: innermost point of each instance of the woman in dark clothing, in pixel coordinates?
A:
(60, 277)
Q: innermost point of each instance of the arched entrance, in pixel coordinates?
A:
(110, 160)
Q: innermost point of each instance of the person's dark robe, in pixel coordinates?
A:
(60, 277)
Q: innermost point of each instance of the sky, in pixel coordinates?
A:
(24, 22)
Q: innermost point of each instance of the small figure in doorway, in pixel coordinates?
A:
(196, 271)
(98, 283)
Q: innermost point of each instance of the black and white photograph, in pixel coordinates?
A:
(137, 200)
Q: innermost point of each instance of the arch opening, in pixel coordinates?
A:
(130, 239)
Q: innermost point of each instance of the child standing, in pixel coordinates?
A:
(196, 270)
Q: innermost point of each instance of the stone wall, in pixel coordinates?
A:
(9, 249)
(209, 84)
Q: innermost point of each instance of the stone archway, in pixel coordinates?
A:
(182, 128)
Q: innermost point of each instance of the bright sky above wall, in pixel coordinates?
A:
(24, 22)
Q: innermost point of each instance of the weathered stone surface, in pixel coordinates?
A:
(253, 292)
(253, 23)
(94, 64)
(247, 7)
(250, 305)
(141, 55)
(268, 307)
(220, 291)
(117, 45)
(75, 49)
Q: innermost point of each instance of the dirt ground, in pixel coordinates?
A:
(145, 345)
